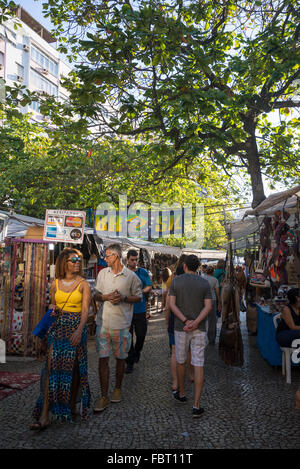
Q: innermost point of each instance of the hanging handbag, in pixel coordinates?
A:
(291, 271)
(230, 340)
(251, 318)
(228, 336)
(42, 328)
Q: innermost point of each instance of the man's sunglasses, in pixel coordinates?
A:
(75, 259)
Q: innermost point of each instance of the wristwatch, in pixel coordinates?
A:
(125, 299)
(185, 321)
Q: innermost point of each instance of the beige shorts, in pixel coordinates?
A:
(196, 340)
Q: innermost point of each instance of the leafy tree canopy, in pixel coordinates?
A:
(43, 167)
(202, 76)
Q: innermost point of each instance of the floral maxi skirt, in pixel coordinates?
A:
(61, 360)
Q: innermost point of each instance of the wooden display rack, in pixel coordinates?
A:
(25, 263)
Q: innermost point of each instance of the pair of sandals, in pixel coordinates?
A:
(39, 427)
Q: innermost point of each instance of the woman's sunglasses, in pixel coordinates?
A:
(75, 259)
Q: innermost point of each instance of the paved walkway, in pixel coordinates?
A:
(248, 407)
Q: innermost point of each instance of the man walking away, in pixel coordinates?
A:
(190, 301)
(139, 320)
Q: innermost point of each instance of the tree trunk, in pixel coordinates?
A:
(254, 168)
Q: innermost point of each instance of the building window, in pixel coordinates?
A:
(42, 84)
(63, 98)
(44, 61)
(11, 37)
(20, 71)
(35, 106)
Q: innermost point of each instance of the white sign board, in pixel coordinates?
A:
(66, 226)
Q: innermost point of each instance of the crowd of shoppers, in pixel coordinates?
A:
(190, 299)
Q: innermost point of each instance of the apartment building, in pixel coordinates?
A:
(28, 55)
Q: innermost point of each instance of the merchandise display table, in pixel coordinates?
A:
(266, 336)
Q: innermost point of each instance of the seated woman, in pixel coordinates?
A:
(289, 327)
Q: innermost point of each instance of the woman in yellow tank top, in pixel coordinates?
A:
(64, 301)
(65, 370)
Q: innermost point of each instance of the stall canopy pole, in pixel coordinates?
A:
(13, 282)
(297, 218)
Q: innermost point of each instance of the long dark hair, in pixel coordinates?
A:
(292, 295)
(166, 273)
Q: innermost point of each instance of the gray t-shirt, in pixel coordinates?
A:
(213, 284)
(190, 291)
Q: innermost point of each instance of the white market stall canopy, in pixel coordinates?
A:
(242, 244)
(245, 232)
(209, 254)
(164, 249)
(3, 226)
(17, 225)
(242, 228)
(288, 200)
(139, 243)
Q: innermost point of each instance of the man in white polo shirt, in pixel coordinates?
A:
(118, 288)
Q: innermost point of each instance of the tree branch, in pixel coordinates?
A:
(278, 93)
(288, 103)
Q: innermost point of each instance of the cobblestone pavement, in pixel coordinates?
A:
(248, 407)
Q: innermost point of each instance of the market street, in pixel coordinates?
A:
(149, 164)
(248, 407)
